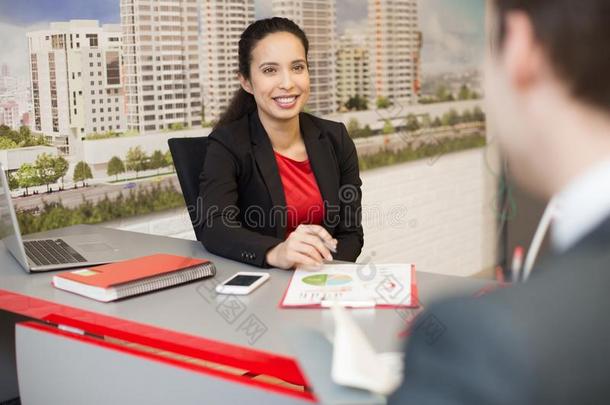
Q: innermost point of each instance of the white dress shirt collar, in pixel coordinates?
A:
(582, 206)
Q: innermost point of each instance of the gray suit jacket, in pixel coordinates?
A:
(543, 342)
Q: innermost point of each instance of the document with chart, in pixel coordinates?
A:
(353, 285)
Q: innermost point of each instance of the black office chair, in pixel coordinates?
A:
(188, 155)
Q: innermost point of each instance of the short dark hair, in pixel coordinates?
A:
(243, 102)
(576, 37)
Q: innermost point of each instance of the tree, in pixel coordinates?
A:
(176, 126)
(45, 169)
(443, 94)
(169, 160)
(115, 167)
(82, 172)
(411, 123)
(353, 127)
(61, 166)
(357, 103)
(464, 93)
(478, 115)
(383, 102)
(367, 131)
(388, 128)
(467, 116)
(136, 160)
(157, 160)
(27, 177)
(437, 123)
(7, 143)
(426, 121)
(451, 118)
(13, 183)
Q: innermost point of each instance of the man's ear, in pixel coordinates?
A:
(523, 55)
(245, 83)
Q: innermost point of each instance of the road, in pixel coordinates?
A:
(74, 197)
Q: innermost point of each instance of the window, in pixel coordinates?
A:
(92, 41)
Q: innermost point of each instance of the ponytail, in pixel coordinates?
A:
(241, 104)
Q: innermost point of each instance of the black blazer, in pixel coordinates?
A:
(243, 199)
(543, 342)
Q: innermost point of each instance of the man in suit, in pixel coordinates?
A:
(546, 341)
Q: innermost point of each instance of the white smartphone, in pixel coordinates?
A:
(242, 283)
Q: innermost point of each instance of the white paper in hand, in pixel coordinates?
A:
(355, 362)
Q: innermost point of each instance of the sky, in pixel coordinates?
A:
(453, 30)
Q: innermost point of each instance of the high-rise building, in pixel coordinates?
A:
(318, 19)
(394, 49)
(222, 22)
(75, 81)
(4, 70)
(9, 114)
(353, 73)
(161, 60)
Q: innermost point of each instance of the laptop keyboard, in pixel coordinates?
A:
(49, 251)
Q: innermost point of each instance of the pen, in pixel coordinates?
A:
(517, 264)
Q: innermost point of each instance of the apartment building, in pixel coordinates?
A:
(318, 19)
(222, 22)
(395, 43)
(75, 81)
(9, 114)
(161, 64)
(353, 72)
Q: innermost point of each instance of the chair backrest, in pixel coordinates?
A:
(188, 155)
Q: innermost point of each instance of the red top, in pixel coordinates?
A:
(304, 204)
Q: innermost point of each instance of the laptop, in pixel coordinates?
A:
(55, 253)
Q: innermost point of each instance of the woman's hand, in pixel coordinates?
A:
(308, 245)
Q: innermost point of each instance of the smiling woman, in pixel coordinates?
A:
(279, 187)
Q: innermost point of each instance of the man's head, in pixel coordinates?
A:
(548, 86)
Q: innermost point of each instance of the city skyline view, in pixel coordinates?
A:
(453, 32)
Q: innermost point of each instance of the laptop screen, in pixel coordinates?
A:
(9, 228)
(6, 224)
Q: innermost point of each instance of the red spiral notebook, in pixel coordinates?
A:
(353, 285)
(114, 281)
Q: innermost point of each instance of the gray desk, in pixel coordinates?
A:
(198, 315)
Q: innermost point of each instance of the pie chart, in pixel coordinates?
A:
(331, 280)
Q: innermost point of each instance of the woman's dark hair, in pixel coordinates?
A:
(243, 102)
(576, 36)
